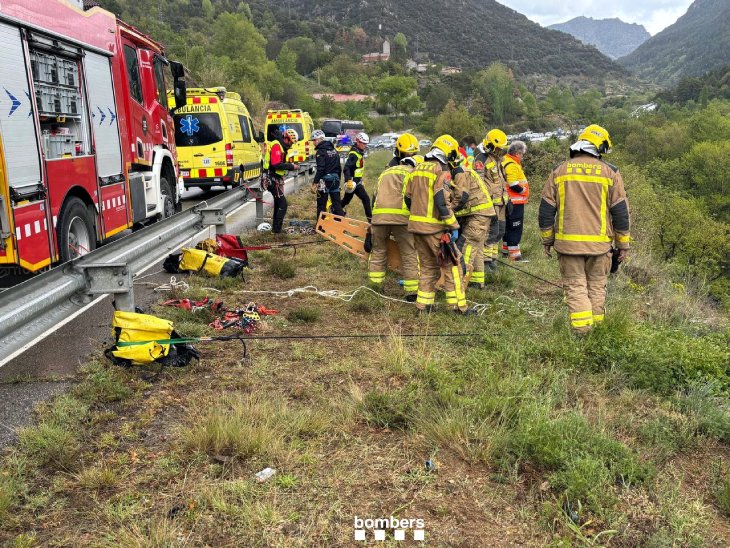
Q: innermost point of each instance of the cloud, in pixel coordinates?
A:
(655, 15)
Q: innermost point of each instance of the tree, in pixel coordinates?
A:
(436, 98)
(398, 93)
(306, 51)
(457, 122)
(399, 48)
(287, 61)
(497, 84)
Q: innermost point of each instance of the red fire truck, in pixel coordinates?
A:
(87, 144)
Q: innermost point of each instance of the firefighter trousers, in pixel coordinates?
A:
(378, 261)
(495, 233)
(427, 247)
(474, 230)
(361, 193)
(584, 283)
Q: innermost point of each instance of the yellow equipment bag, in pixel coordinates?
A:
(198, 260)
(134, 327)
(144, 339)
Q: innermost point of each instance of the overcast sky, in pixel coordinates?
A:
(655, 15)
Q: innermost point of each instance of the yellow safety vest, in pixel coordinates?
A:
(267, 158)
(359, 165)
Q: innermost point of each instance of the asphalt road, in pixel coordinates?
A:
(47, 369)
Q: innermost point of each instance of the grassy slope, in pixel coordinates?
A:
(526, 425)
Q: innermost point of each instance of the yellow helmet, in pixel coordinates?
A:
(495, 137)
(448, 147)
(418, 158)
(407, 144)
(597, 136)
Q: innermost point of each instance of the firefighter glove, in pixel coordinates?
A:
(314, 188)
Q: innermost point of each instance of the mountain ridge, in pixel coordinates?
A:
(612, 37)
(699, 41)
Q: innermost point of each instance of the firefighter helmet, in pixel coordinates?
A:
(597, 136)
(317, 134)
(406, 144)
(496, 138)
(362, 138)
(446, 149)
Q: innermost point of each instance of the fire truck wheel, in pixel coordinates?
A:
(76, 236)
(168, 202)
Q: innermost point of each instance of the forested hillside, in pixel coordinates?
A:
(471, 33)
(612, 37)
(698, 42)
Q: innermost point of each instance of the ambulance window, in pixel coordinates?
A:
(197, 129)
(135, 82)
(244, 129)
(160, 81)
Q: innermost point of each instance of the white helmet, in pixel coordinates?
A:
(317, 134)
(264, 227)
(363, 138)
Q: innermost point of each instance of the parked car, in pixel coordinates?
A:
(424, 143)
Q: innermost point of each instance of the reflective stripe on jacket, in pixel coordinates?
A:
(488, 166)
(389, 206)
(584, 208)
(479, 202)
(515, 180)
(425, 185)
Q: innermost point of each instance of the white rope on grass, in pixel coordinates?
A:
(172, 285)
(328, 293)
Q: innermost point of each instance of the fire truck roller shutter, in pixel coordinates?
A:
(17, 126)
(105, 124)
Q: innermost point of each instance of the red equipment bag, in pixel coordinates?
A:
(231, 246)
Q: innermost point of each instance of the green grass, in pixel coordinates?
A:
(283, 269)
(304, 314)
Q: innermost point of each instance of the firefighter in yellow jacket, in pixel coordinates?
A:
(390, 218)
(583, 212)
(428, 197)
(474, 210)
(488, 164)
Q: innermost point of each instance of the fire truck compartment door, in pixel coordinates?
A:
(104, 110)
(17, 126)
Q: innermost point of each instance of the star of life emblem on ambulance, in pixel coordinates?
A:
(189, 125)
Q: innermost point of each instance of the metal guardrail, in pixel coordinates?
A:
(33, 308)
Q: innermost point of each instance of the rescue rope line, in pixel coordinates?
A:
(530, 274)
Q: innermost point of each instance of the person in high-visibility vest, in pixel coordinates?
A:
(435, 230)
(519, 191)
(584, 212)
(353, 173)
(488, 164)
(405, 146)
(390, 219)
(276, 166)
(474, 210)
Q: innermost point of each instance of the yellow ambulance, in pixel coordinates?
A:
(299, 121)
(217, 144)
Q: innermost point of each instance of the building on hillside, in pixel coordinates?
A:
(450, 70)
(377, 57)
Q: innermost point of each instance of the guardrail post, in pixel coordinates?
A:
(215, 217)
(114, 278)
(259, 197)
